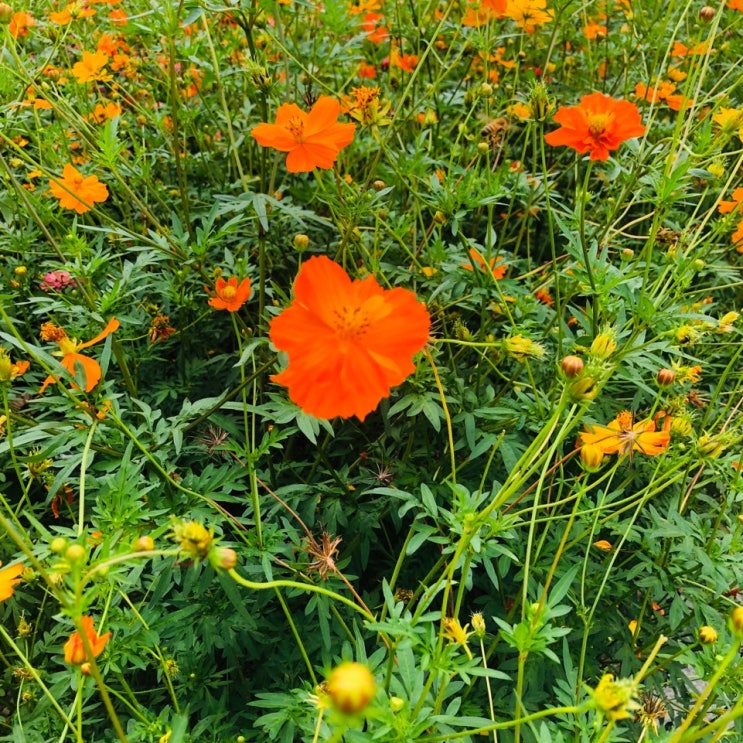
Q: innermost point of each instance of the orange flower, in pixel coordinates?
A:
(8, 579)
(9, 370)
(528, 14)
(624, 436)
(103, 113)
(348, 341)
(725, 207)
(76, 191)
(313, 140)
(476, 258)
(74, 649)
(19, 24)
(230, 295)
(69, 350)
(480, 12)
(406, 62)
(91, 68)
(598, 124)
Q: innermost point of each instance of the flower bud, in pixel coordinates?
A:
(58, 544)
(736, 621)
(85, 669)
(591, 457)
(75, 552)
(19, 270)
(5, 12)
(584, 388)
(710, 446)
(627, 254)
(301, 242)
(143, 544)
(707, 635)
(396, 704)
(706, 13)
(439, 217)
(486, 90)
(478, 624)
(351, 686)
(571, 366)
(379, 184)
(603, 346)
(665, 377)
(223, 558)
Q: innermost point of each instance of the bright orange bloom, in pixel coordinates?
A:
(598, 124)
(69, 350)
(376, 33)
(76, 191)
(103, 113)
(725, 207)
(735, 5)
(624, 436)
(498, 271)
(91, 68)
(681, 50)
(230, 295)
(313, 140)
(406, 62)
(10, 370)
(480, 12)
(8, 579)
(348, 341)
(118, 17)
(528, 14)
(19, 24)
(74, 650)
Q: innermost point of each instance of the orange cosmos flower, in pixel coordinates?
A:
(624, 436)
(528, 14)
(8, 579)
(348, 341)
(91, 68)
(74, 650)
(70, 352)
(76, 191)
(725, 207)
(313, 140)
(9, 370)
(498, 271)
(598, 124)
(19, 24)
(230, 295)
(480, 12)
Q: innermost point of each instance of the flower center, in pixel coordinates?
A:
(597, 123)
(67, 346)
(296, 128)
(228, 293)
(351, 322)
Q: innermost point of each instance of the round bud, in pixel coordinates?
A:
(75, 552)
(396, 703)
(143, 544)
(591, 457)
(5, 12)
(58, 544)
(226, 558)
(379, 184)
(736, 621)
(351, 686)
(707, 635)
(439, 217)
(571, 366)
(706, 13)
(20, 270)
(665, 377)
(301, 242)
(486, 90)
(85, 669)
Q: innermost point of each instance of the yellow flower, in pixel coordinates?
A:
(193, 538)
(458, 634)
(707, 635)
(520, 348)
(615, 699)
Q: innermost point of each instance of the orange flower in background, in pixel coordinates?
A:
(74, 649)
(70, 352)
(313, 140)
(498, 271)
(528, 14)
(725, 207)
(9, 577)
(735, 5)
(348, 341)
(624, 436)
(19, 24)
(230, 295)
(598, 124)
(76, 191)
(480, 12)
(9, 370)
(91, 68)
(405, 62)
(103, 113)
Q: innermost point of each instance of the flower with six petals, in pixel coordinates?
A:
(229, 295)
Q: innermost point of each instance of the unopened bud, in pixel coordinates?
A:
(478, 624)
(20, 270)
(143, 544)
(379, 184)
(706, 13)
(301, 242)
(351, 686)
(224, 558)
(583, 388)
(736, 621)
(439, 217)
(603, 346)
(571, 366)
(486, 90)
(707, 635)
(58, 544)
(591, 457)
(665, 377)
(75, 552)
(5, 12)
(396, 703)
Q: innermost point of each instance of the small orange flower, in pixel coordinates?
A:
(76, 191)
(69, 350)
(624, 436)
(528, 14)
(313, 140)
(11, 370)
(9, 577)
(598, 124)
(74, 649)
(725, 207)
(498, 271)
(230, 295)
(91, 68)
(19, 24)
(406, 62)
(348, 341)
(480, 12)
